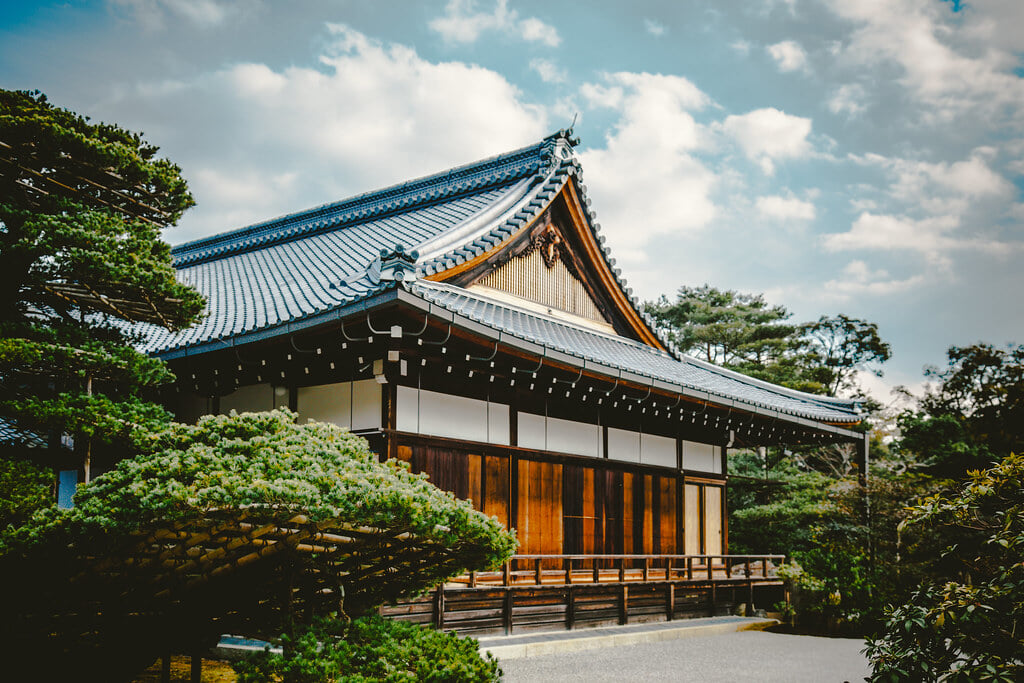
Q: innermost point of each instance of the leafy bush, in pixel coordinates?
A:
(370, 649)
(24, 488)
(969, 629)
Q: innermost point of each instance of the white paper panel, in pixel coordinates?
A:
(327, 403)
(366, 404)
(254, 398)
(578, 438)
(701, 457)
(407, 417)
(623, 445)
(531, 431)
(657, 450)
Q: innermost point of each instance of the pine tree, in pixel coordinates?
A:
(82, 270)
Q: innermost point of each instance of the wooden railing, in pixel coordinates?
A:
(543, 570)
(570, 591)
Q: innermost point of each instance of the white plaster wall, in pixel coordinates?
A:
(531, 431)
(657, 450)
(578, 438)
(455, 417)
(498, 423)
(623, 444)
(701, 457)
(251, 399)
(366, 404)
(191, 407)
(327, 403)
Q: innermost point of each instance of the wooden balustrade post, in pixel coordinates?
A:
(597, 570)
(570, 608)
(764, 567)
(689, 567)
(507, 612)
(567, 566)
(622, 569)
(671, 607)
(472, 579)
(647, 568)
(439, 608)
(536, 571)
(711, 574)
(624, 606)
(506, 573)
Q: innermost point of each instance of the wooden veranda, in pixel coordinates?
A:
(548, 592)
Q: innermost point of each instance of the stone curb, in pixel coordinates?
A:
(511, 650)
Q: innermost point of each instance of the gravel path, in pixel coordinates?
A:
(735, 657)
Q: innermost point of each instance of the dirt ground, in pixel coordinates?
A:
(214, 671)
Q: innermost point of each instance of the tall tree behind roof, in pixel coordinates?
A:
(81, 259)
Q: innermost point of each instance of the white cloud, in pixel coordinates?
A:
(372, 114)
(655, 28)
(462, 23)
(646, 181)
(548, 71)
(785, 208)
(848, 99)
(201, 13)
(933, 237)
(949, 71)
(788, 55)
(741, 46)
(858, 279)
(768, 135)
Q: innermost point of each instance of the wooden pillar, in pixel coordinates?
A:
(165, 668)
(197, 668)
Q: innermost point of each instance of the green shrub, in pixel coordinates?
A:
(370, 649)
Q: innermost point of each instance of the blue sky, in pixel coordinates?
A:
(856, 157)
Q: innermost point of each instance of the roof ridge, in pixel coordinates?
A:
(495, 170)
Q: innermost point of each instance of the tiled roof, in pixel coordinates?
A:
(11, 435)
(632, 356)
(306, 263)
(264, 278)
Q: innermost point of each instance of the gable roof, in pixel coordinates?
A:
(279, 275)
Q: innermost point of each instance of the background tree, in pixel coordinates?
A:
(841, 345)
(81, 260)
(972, 416)
(967, 628)
(744, 333)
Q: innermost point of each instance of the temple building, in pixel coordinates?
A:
(474, 324)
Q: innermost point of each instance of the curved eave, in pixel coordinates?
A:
(611, 373)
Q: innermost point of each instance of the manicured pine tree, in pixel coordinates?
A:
(82, 270)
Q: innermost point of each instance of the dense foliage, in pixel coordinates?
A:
(974, 413)
(370, 649)
(24, 488)
(265, 468)
(970, 628)
(81, 210)
(744, 333)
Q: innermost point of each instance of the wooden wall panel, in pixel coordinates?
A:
(648, 514)
(667, 514)
(496, 488)
(474, 480)
(539, 514)
(572, 509)
(628, 546)
(591, 524)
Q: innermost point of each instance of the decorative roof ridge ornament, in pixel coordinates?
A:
(396, 265)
